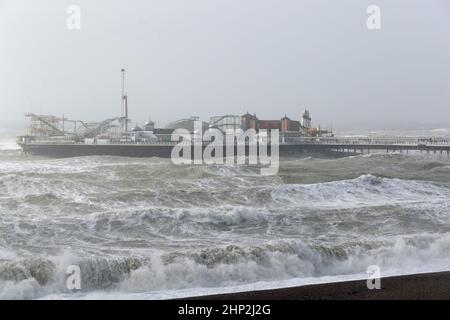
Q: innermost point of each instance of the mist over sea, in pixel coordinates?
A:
(145, 228)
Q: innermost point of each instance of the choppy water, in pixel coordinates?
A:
(144, 228)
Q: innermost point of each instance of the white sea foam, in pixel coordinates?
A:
(8, 142)
(238, 269)
(366, 190)
(4, 146)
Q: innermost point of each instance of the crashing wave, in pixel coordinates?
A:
(223, 266)
(366, 190)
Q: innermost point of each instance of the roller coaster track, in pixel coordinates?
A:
(90, 133)
(44, 120)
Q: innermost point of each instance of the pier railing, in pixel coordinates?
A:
(369, 141)
(338, 141)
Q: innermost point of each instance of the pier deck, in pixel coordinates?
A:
(299, 145)
(362, 146)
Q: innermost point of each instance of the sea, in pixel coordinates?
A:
(149, 229)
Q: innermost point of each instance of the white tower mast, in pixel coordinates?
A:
(124, 104)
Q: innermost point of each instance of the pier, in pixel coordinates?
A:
(435, 145)
(287, 146)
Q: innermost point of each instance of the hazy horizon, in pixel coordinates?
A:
(216, 57)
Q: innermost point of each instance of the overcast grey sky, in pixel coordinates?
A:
(212, 57)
